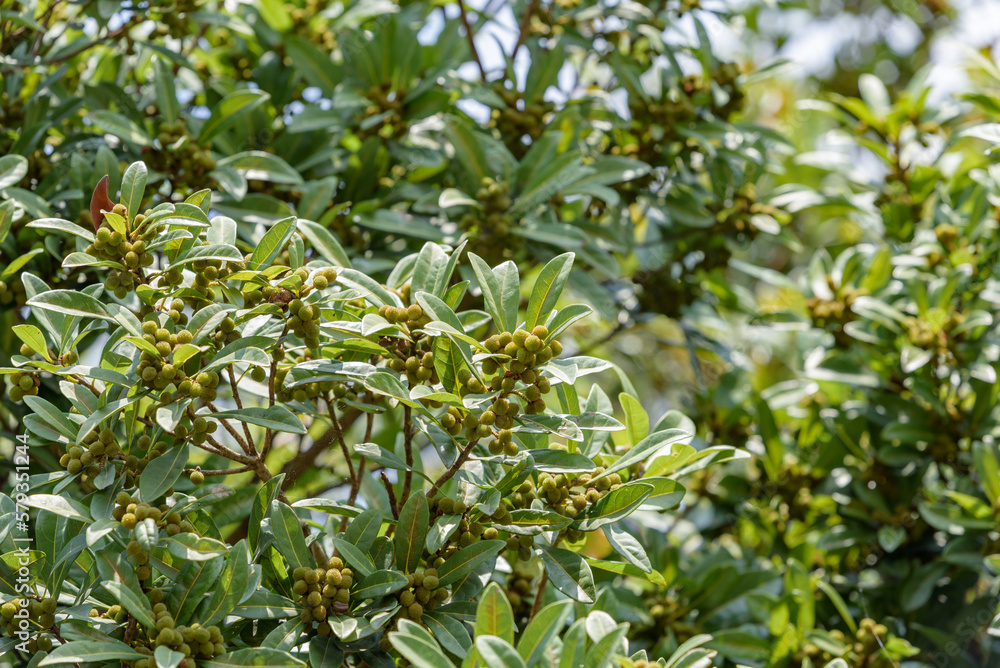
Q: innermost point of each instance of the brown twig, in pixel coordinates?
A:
(245, 446)
(471, 37)
(75, 52)
(239, 404)
(242, 469)
(226, 452)
(525, 24)
(450, 473)
(539, 595)
(392, 495)
(83, 381)
(343, 444)
(362, 463)
(304, 460)
(408, 449)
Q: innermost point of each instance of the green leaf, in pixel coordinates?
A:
(418, 646)
(574, 645)
(532, 521)
(135, 602)
(411, 532)
(548, 287)
(498, 653)
(509, 283)
(6, 218)
(194, 581)
(262, 166)
(570, 574)
(490, 288)
(263, 604)
(71, 302)
(13, 168)
(133, 187)
(614, 506)
(382, 456)
(469, 147)
(54, 417)
(636, 419)
(276, 417)
(543, 628)
(60, 505)
(494, 616)
(146, 534)
(312, 62)
(87, 651)
(272, 244)
(324, 242)
(628, 547)
(287, 529)
(389, 385)
(448, 362)
(645, 448)
(988, 467)
(61, 225)
(838, 603)
(364, 528)
(255, 657)
(361, 562)
(167, 658)
(368, 286)
(18, 263)
(919, 587)
(431, 262)
(265, 496)
(74, 260)
(451, 633)
(121, 127)
(163, 473)
(468, 559)
(623, 568)
(325, 652)
(166, 93)
(229, 587)
(378, 584)
(195, 548)
(605, 649)
(229, 110)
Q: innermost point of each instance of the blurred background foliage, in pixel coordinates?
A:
(784, 215)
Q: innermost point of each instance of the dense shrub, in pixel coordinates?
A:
(334, 331)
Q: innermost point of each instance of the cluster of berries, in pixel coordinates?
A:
(23, 383)
(520, 118)
(41, 614)
(194, 642)
(422, 592)
(489, 226)
(323, 592)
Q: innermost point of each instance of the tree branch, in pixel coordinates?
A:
(301, 463)
(471, 37)
(525, 24)
(239, 404)
(408, 449)
(450, 473)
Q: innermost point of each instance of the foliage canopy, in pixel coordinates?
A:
(505, 334)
